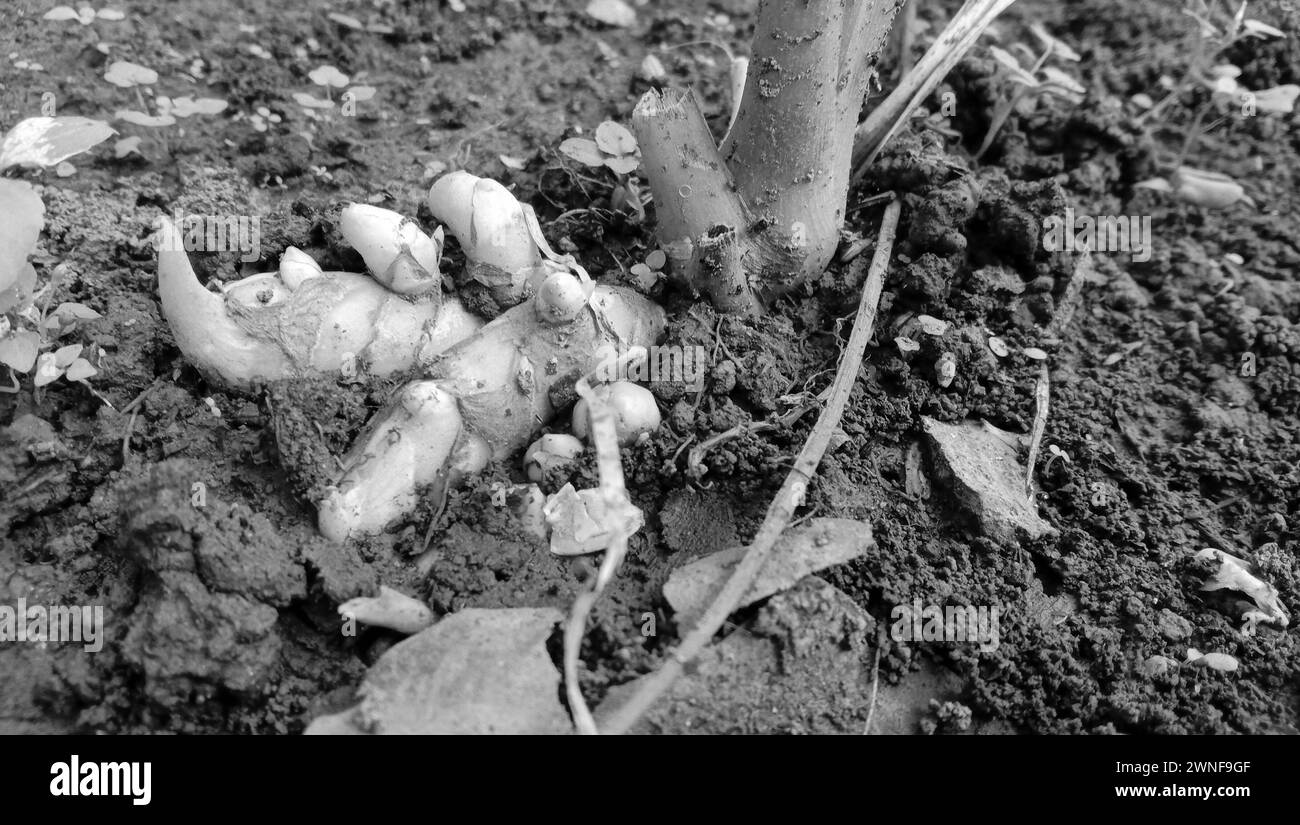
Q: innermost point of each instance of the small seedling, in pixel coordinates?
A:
(1215, 82)
(30, 343)
(84, 15)
(165, 110)
(614, 148)
(42, 142)
(1038, 81)
(331, 78)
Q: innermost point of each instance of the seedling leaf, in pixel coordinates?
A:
(624, 165)
(19, 350)
(126, 74)
(583, 151)
(615, 139)
(80, 370)
(47, 141)
(142, 119)
(328, 76)
(24, 219)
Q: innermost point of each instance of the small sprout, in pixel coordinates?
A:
(328, 76)
(85, 15)
(1040, 80)
(648, 273)
(614, 147)
(635, 412)
(550, 452)
(129, 75)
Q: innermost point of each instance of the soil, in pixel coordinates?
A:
(188, 518)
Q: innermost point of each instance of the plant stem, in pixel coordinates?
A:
(1193, 135)
(761, 213)
(791, 495)
(792, 144)
(1004, 111)
(905, 29)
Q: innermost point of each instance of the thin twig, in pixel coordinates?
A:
(791, 495)
(875, 680)
(1083, 269)
(1042, 394)
(135, 402)
(621, 520)
(126, 438)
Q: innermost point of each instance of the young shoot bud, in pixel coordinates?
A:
(396, 252)
(297, 266)
(550, 452)
(492, 229)
(560, 298)
(635, 412)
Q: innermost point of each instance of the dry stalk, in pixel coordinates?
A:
(621, 519)
(790, 496)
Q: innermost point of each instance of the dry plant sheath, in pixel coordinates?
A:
(954, 41)
(622, 520)
(787, 499)
(761, 213)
